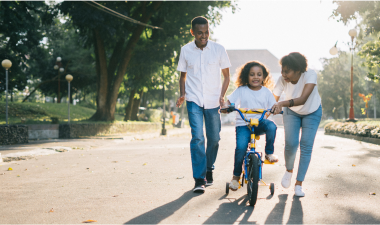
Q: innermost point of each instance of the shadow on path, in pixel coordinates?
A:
(277, 213)
(157, 215)
(228, 213)
(296, 213)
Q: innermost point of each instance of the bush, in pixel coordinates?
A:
(358, 129)
(152, 115)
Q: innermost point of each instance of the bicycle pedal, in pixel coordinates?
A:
(266, 161)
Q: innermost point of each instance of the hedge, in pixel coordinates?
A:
(358, 129)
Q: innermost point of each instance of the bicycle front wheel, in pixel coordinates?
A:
(253, 178)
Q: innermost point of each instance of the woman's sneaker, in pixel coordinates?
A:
(286, 179)
(298, 191)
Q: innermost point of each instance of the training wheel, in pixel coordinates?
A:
(271, 187)
(227, 188)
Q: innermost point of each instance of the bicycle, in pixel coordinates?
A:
(252, 163)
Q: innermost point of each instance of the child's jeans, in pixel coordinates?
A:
(243, 136)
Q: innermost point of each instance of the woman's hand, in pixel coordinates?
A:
(276, 108)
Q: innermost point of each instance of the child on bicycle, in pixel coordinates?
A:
(253, 81)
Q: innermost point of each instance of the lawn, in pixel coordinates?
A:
(32, 113)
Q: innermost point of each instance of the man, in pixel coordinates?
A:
(200, 62)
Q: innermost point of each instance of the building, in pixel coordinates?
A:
(239, 57)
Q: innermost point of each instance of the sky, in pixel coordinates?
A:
(282, 27)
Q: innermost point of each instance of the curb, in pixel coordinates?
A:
(355, 137)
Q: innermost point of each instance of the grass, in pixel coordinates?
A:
(40, 113)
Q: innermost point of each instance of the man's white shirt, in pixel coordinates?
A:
(203, 80)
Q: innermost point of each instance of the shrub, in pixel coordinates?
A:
(358, 129)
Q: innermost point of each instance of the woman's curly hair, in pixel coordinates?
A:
(243, 74)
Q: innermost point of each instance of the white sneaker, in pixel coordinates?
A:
(286, 179)
(298, 191)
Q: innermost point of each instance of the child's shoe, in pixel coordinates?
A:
(271, 158)
(234, 184)
(298, 191)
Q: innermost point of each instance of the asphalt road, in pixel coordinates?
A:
(148, 180)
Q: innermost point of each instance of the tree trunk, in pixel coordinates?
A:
(136, 106)
(109, 84)
(102, 111)
(128, 108)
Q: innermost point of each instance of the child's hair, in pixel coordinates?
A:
(243, 74)
(294, 61)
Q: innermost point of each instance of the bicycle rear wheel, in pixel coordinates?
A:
(253, 178)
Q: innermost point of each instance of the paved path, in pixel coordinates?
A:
(149, 180)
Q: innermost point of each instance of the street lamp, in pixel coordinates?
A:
(353, 34)
(334, 50)
(163, 130)
(6, 64)
(69, 78)
(58, 67)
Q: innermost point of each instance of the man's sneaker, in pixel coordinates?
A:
(199, 188)
(209, 180)
(286, 179)
(298, 191)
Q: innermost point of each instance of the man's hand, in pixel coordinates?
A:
(180, 101)
(221, 101)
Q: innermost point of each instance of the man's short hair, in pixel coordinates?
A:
(198, 20)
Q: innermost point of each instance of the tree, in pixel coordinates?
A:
(369, 38)
(21, 30)
(334, 85)
(114, 55)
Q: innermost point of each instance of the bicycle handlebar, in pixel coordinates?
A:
(232, 108)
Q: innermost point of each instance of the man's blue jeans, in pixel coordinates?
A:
(203, 159)
(308, 124)
(243, 136)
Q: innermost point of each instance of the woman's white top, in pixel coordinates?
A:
(293, 91)
(243, 97)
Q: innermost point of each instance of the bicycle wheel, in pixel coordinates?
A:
(253, 178)
(271, 188)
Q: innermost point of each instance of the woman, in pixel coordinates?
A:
(302, 109)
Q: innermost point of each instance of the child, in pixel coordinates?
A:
(252, 93)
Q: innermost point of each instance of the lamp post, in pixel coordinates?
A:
(334, 51)
(6, 64)
(163, 131)
(69, 78)
(58, 67)
(353, 34)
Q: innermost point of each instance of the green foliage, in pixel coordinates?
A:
(369, 37)
(153, 55)
(21, 30)
(368, 11)
(370, 51)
